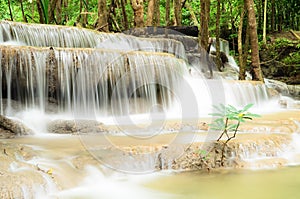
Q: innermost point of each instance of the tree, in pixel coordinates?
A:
(242, 74)
(150, 13)
(125, 19)
(177, 12)
(265, 23)
(273, 15)
(218, 56)
(51, 8)
(157, 13)
(23, 14)
(256, 70)
(102, 16)
(10, 12)
(138, 9)
(193, 17)
(204, 21)
(58, 11)
(167, 17)
(41, 11)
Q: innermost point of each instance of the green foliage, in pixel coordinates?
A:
(283, 42)
(230, 13)
(203, 154)
(4, 11)
(229, 119)
(293, 62)
(45, 7)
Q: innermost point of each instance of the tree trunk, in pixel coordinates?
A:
(242, 74)
(280, 17)
(40, 11)
(204, 21)
(10, 12)
(125, 20)
(157, 13)
(112, 23)
(78, 19)
(150, 13)
(192, 14)
(51, 8)
(259, 14)
(204, 44)
(246, 45)
(256, 70)
(167, 12)
(85, 14)
(138, 9)
(232, 21)
(59, 12)
(102, 16)
(265, 23)
(23, 14)
(218, 57)
(177, 12)
(273, 16)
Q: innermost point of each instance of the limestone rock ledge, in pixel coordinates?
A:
(10, 128)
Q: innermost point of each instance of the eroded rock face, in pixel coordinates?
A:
(19, 179)
(11, 128)
(294, 90)
(75, 127)
(283, 88)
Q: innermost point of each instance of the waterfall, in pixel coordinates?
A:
(71, 37)
(72, 70)
(90, 80)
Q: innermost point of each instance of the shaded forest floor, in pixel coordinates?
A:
(280, 57)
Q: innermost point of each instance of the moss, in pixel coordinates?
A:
(281, 60)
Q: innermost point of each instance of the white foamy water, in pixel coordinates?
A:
(115, 79)
(95, 185)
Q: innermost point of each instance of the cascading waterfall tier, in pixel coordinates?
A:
(71, 69)
(88, 80)
(71, 37)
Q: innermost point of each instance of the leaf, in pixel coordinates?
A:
(219, 108)
(233, 117)
(241, 120)
(217, 114)
(252, 115)
(247, 107)
(215, 129)
(231, 108)
(50, 171)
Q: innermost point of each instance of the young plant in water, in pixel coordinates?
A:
(228, 120)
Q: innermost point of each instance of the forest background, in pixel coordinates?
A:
(262, 34)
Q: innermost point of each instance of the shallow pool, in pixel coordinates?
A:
(231, 184)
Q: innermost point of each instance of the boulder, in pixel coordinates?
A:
(75, 127)
(13, 127)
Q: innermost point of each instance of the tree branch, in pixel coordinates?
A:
(265, 62)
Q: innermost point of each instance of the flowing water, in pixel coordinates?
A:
(125, 100)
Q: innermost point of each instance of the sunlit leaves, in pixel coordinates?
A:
(229, 117)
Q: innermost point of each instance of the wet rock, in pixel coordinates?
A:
(273, 93)
(294, 90)
(75, 126)
(18, 179)
(278, 86)
(9, 126)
